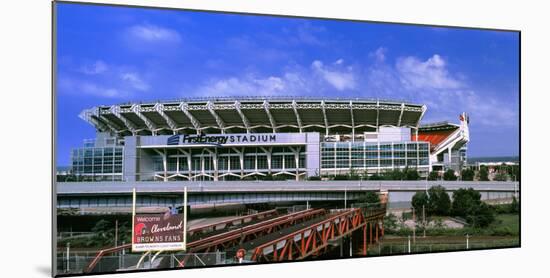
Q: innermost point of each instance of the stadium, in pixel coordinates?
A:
(231, 138)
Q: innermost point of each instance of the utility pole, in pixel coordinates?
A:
(345, 197)
(424, 218)
(414, 226)
(68, 256)
(116, 232)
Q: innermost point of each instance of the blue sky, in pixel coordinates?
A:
(111, 55)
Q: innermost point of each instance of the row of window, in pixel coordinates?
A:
(97, 152)
(225, 163)
(346, 164)
(106, 160)
(362, 146)
(362, 155)
(97, 169)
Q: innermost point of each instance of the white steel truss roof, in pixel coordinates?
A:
(253, 115)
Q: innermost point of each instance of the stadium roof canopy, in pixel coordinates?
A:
(254, 115)
(438, 126)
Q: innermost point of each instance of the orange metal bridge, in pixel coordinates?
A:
(269, 236)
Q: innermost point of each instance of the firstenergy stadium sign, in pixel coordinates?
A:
(221, 139)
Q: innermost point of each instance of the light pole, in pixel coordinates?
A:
(515, 186)
(345, 197)
(424, 219)
(426, 184)
(414, 226)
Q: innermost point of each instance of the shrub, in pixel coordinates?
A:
(341, 178)
(411, 174)
(501, 176)
(279, 177)
(391, 224)
(514, 206)
(467, 175)
(370, 198)
(314, 178)
(433, 176)
(375, 177)
(449, 175)
(483, 174)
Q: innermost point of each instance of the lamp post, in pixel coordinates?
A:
(414, 226)
(345, 197)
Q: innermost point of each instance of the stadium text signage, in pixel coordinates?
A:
(158, 232)
(221, 139)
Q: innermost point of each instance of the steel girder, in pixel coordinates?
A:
(314, 238)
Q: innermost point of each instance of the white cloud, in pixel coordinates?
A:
(243, 86)
(487, 110)
(341, 80)
(153, 33)
(77, 87)
(97, 67)
(100, 79)
(135, 81)
(379, 55)
(446, 93)
(429, 74)
(292, 82)
(307, 33)
(94, 89)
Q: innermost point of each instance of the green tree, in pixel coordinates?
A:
(483, 174)
(468, 205)
(501, 176)
(513, 172)
(370, 198)
(464, 200)
(449, 175)
(420, 199)
(433, 176)
(439, 202)
(104, 234)
(467, 174)
(514, 206)
(481, 215)
(393, 175)
(375, 177)
(411, 174)
(353, 175)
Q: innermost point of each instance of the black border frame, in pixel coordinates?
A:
(54, 129)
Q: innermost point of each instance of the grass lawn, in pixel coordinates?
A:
(506, 221)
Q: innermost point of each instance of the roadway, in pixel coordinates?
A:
(193, 187)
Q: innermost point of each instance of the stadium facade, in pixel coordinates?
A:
(249, 138)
